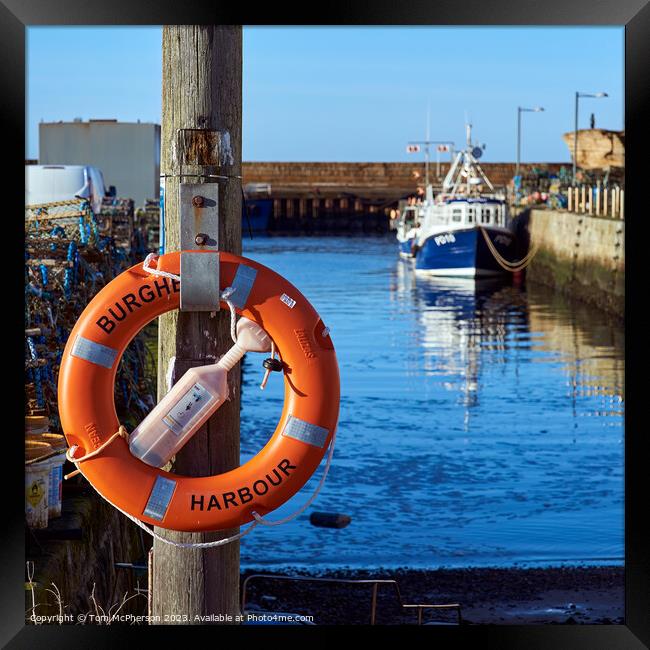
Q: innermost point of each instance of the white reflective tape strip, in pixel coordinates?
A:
(159, 499)
(96, 353)
(312, 434)
(287, 300)
(243, 283)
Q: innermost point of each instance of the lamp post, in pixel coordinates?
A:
(575, 131)
(520, 110)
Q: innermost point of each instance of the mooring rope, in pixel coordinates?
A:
(512, 267)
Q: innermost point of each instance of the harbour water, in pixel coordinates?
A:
(481, 423)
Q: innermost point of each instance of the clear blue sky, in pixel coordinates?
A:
(349, 93)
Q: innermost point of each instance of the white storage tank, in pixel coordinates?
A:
(128, 153)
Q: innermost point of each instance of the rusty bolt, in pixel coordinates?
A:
(201, 239)
(197, 201)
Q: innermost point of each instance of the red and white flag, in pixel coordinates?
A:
(442, 148)
(412, 148)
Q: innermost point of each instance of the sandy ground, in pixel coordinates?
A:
(504, 596)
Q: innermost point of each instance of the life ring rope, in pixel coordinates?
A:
(219, 542)
(279, 522)
(69, 454)
(155, 271)
(224, 295)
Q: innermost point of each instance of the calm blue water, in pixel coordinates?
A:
(481, 424)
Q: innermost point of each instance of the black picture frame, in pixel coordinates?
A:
(16, 15)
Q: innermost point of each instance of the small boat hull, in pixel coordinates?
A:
(256, 215)
(465, 253)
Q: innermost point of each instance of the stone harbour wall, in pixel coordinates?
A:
(579, 254)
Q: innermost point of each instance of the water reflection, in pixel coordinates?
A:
(467, 323)
(481, 422)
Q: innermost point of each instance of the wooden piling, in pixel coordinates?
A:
(201, 134)
(622, 205)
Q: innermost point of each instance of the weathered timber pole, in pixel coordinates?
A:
(201, 136)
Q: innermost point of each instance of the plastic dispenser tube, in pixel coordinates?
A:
(192, 400)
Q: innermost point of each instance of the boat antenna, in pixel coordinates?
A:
(426, 146)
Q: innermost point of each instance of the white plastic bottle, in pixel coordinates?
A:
(192, 400)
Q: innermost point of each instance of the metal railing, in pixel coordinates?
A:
(419, 607)
(597, 200)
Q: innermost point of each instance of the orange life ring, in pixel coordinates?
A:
(309, 417)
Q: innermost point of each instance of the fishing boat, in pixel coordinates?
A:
(465, 230)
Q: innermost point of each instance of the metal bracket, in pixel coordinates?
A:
(199, 208)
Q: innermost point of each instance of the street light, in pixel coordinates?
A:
(575, 132)
(520, 110)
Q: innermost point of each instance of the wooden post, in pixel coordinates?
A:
(582, 198)
(598, 199)
(201, 134)
(622, 205)
(605, 201)
(591, 199)
(570, 201)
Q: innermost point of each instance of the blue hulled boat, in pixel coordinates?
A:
(465, 230)
(257, 214)
(257, 208)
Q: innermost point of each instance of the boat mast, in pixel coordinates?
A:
(426, 147)
(469, 158)
(465, 168)
(427, 144)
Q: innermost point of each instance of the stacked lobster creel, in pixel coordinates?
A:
(117, 222)
(68, 258)
(146, 230)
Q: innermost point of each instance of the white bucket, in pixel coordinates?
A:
(36, 424)
(55, 491)
(55, 486)
(37, 484)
